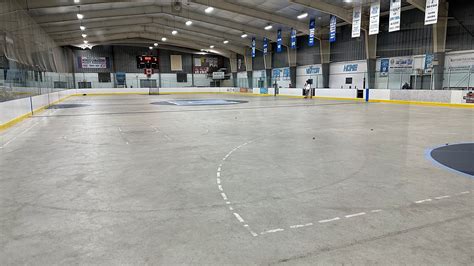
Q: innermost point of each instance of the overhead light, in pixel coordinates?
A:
(189, 23)
(202, 50)
(155, 44)
(86, 42)
(268, 27)
(84, 35)
(245, 35)
(83, 28)
(174, 32)
(302, 15)
(226, 42)
(212, 46)
(164, 39)
(151, 48)
(77, 1)
(209, 9)
(80, 16)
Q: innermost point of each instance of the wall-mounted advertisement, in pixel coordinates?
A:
(460, 62)
(332, 29)
(241, 65)
(93, 62)
(356, 21)
(384, 67)
(203, 65)
(312, 70)
(395, 13)
(279, 74)
(431, 12)
(351, 68)
(401, 64)
(293, 38)
(312, 27)
(374, 24)
(428, 63)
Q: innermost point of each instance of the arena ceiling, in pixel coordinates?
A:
(147, 22)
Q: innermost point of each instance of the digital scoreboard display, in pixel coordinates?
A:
(147, 61)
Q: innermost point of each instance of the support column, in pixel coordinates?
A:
(267, 59)
(325, 51)
(233, 68)
(249, 67)
(292, 58)
(439, 45)
(371, 53)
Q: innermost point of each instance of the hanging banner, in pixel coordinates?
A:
(356, 20)
(293, 39)
(279, 41)
(312, 26)
(431, 12)
(265, 45)
(395, 12)
(332, 29)
(253, 47)
(374, 18)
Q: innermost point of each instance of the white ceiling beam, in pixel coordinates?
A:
(420, 4)
(91, 16)
(255, 13)
(327, 8)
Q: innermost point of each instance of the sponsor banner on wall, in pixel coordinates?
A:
(401, 64)
(312, 26)
(253, 47)
(240, 65)
(201, 70)
(93, 62)
(293, 39)
(265, 45)
(460, 62)
(468, 97)
(332, 29)
(351, 68)
(356, 21)
(431, 12)
(312, 70)
(374, 18)
(279, 74)
(395, 13)
(279, 42)
(384, 67)
(428, 63)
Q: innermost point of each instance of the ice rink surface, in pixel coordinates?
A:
(119, 180)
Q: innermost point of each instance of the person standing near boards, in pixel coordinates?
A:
(307, 90)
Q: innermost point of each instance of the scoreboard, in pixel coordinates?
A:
(147, 61)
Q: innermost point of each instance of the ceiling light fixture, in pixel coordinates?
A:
(84, 35)
(225, 42)
(174, 32)
(155, 44)
(245, 35)
(189, 23)
(83, 28)
(268, 27)
(209, 9)
(151, 48)
(212, 46)
(164, 39)
(86, 42)
(302, 15)
(80, 16)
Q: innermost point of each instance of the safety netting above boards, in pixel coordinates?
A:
(25, 43)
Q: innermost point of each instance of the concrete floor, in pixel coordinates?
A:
(272, 181)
